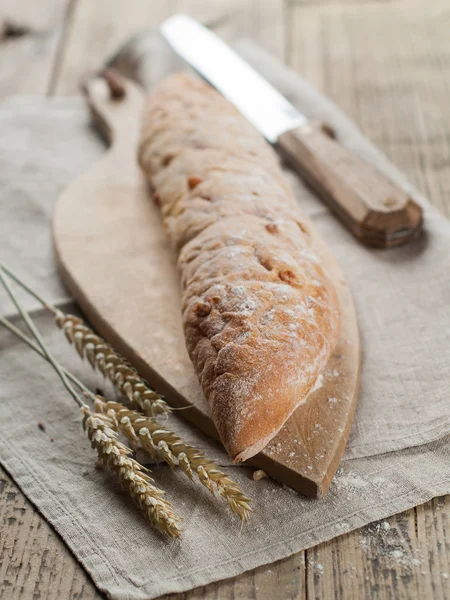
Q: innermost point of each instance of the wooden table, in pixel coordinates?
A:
(387, 64)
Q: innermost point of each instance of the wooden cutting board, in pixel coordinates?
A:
(115, 259)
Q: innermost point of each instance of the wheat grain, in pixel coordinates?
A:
(115, 456)
(159, 441)
(102, 355)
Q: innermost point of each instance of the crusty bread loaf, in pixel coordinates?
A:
(261, 319)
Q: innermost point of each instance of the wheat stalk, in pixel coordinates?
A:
(100, 428)
(102, 355)
(111, 421)
(161, 442)
(137, 427)
(41, 345)
(115, 456)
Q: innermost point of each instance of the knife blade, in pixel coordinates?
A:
(235, 79)
(377, 212)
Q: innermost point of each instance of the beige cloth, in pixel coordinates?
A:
(402, 299)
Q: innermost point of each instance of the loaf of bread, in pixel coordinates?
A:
(260, 315)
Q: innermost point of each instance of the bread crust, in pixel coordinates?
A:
(261, 317)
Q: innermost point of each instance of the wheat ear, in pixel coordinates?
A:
(100, 428)
(102, 355)
(159, 441)
(115, 456)
(151, 435)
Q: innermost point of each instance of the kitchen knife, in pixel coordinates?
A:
(378, 212)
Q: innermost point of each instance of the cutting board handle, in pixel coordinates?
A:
(116, 105)
(378, 212)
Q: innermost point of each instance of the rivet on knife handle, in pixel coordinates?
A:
(378, 212)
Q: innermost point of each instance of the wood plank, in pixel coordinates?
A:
(381, 560)
(100, 28)
(34, 561)
(27, 60)
(401, 558)
(397, 90)
(282, 580)
(432, 525)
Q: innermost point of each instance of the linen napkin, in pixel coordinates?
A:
(398, 454)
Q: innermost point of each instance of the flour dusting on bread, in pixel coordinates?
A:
(260, 315)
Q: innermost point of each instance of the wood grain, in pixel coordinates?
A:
(398, 92)
(376, 211)
(34, 561)
(99, 28)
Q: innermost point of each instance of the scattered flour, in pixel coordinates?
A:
(238, 289)
(386, 542)
(351, 482)
(316, 566)
(318, 384)
(247, 306)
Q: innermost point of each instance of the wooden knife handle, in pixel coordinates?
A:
(377, 212)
